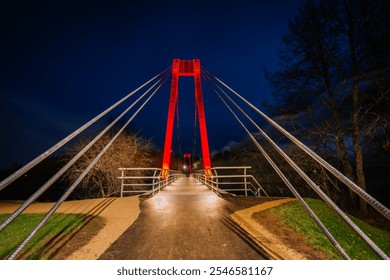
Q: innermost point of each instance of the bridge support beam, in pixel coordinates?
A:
(186, 68)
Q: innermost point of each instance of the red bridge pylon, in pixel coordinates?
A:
(186, 68)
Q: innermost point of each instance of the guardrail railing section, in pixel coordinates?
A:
(147, 180)
(232, 179)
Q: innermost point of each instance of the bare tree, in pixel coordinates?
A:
(363, 27)
(308, 77)
(128, 150)
(333, 77)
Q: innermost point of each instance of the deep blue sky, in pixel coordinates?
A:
(63, 62)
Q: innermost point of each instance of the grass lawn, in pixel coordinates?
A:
(294, 215)
(47, 238)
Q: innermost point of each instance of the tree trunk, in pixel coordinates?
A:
(340, 144)
(101, 188)
(361, 181)
(342, 151)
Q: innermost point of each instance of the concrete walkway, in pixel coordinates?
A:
(185, 221)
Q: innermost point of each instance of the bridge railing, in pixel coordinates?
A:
(227, 179)
(145, 180)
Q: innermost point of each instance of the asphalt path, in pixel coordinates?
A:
(186, 221)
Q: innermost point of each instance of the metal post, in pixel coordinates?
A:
(217, 182)
(154, 180)
(122, 182)
(246, 188)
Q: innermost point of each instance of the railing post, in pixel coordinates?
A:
(154, 180)
(122, 182)
(245, 182)
(216, 181)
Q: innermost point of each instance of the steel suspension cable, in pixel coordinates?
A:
(311, 183)
(11, 178)
(348, 182)
(78, 180)
(289, 185)
(55, 177)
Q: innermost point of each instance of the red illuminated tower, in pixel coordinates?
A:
(186, 68)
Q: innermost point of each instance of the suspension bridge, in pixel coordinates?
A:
(185, 209)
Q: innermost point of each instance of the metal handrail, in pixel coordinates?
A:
(248, 182)
(157, 182)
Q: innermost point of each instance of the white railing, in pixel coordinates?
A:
(226, 181)
(145, 180)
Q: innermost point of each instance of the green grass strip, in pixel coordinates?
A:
(294, 215)
(18, 230)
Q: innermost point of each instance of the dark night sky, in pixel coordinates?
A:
(63, 62)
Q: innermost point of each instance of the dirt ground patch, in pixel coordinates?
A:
(61, 246)
(278, 239)
(288, 237)
(79, 239)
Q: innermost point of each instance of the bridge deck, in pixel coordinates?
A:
(185, 221)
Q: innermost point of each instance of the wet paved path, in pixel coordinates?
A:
(185, 221)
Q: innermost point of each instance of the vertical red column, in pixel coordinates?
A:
(202, 117)
(171, 118)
